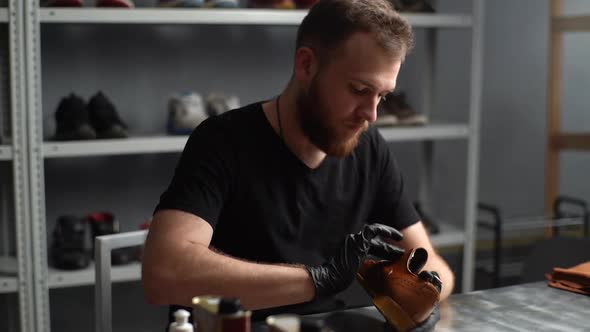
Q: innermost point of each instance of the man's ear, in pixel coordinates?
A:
(306, 64)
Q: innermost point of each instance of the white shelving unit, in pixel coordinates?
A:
(39, 151)
(163, 144)
(449, 236)
(15, 221)
(5, 152)
(429, 132)
(3, 15)
(8, 284)
(571, 23)
(135, 145)
(61, 279)
(219, 16)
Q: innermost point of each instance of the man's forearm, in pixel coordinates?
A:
(197, 270)
(436, 263)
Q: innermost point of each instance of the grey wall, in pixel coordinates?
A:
(139, 66)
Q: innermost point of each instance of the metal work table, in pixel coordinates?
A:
(521, 308)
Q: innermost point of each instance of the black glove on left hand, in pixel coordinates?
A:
(339, 272)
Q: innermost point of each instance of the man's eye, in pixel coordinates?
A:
(360, 91)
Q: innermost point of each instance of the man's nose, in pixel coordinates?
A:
(369, 109)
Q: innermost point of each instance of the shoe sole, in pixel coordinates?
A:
(65, 3)
(181, 4)
(116, 4)
(391, 310)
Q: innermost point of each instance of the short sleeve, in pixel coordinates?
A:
(392, 206)
(203, 176)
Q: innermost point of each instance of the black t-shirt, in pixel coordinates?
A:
(265, 205)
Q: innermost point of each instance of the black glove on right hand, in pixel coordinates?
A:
(338, 273)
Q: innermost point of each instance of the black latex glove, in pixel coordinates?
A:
(430, 323)
(339, 272)
(432, 277)
(427, 326)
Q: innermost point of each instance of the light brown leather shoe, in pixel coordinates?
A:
(403, 298)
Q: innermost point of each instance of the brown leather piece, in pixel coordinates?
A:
(401, 296)
(574, 279)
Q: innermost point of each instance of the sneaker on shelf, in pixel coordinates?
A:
(115, 3)
(395, 110)
(403, 293)
(72, 120)
(185, 113)
(104, 223)
(415, 6)
(64, 3)
(104, 118)
(219, 103)
(221, 3)
(72, 243)
(274, 4)
(180, 3)
(305, 4)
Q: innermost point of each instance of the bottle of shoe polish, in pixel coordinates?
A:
(232, 317)
(181, 323)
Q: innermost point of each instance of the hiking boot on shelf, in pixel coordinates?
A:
(304, 4)
(115, 3)
(64, 3)
(218, 103)
(104, 118)
(72, 120)
(71, 248)
(273, 4)
(104, 223)
(413, 6)
(403, 293)
(185, 113)
(221, 3)
(394, 110)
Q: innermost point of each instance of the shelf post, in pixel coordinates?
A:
(555, 87)
(471, 192)
(34, 154)
(20, 164)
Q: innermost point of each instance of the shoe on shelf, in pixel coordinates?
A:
(219, 103)
(221, 3)
(72, 243)
(105, 223)
(104, 118)
(273, 4)
(63, 3)
(72, 120)
(431, 226)
(115, 3)
(403, 293)
(180, 3)
(185, 113)
(305, 4)
(394, 110)
(414, 6)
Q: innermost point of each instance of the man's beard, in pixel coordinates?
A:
(316, 124)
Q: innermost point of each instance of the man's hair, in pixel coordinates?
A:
(331, 22)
